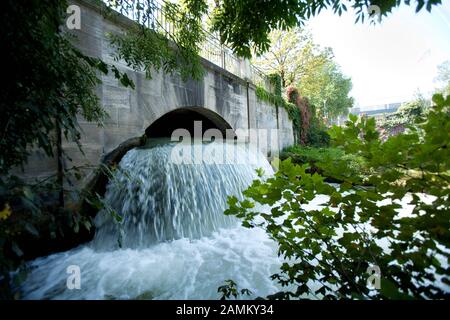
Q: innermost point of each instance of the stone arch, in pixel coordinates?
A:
(184, 118)
(162, 127)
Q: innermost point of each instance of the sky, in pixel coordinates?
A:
(390, 61)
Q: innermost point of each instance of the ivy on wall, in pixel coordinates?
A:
(303, 111)
(277, 100)
(271, 98)
(275, 81)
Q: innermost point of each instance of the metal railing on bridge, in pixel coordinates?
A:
(156, 18)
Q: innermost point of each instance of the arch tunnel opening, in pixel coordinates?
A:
(188, 118)
(163, 127)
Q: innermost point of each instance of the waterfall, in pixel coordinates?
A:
(163, 234)
(160, 199)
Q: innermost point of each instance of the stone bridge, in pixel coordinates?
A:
(222, 99)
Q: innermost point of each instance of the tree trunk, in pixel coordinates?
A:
(283, 79)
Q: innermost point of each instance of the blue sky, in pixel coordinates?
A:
(390, 61)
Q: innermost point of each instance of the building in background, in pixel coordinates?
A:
(378, 110)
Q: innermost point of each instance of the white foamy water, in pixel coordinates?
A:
(179, 269)
(174, 241)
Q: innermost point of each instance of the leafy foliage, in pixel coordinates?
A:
(316, 157)
(278, 101)
(299, 112)
(271, 98)
(305, 113)
(406, 116)
(246, 24)
(170, 43)
(317, 134)
(308, 129)
(328, 89)
(292, 54)
(328, 249)
(50, 85)
(50, 81)
(303, 64)
(276, 80)
(32, 224)
(230, 289)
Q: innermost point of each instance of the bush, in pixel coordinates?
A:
(316, 156)
(318, 137)
(363, 243)
(305, 114)
(32, 224)
(407, 115)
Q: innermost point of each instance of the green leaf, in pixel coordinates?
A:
(390, 291)
(102, 66)
(126, 82)
(246, 204)
(260, 172)
(438, 99)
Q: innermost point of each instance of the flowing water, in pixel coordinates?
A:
(163, 234)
